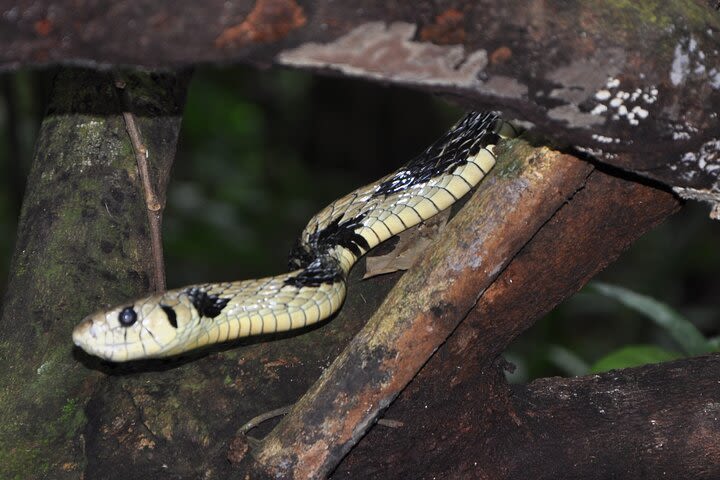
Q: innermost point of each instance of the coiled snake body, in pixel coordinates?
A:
(180, 320)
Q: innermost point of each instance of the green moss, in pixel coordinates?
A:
(511, 159)
(657, 25)
(72, 419)
(647, 14)
(658, 15)
(24, 461)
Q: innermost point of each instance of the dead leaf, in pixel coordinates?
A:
(408, 247)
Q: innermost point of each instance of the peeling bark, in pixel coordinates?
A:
(634, 84)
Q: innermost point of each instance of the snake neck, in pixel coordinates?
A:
(338, 241)
(323, 268)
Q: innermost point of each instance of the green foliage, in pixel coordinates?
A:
(632, 356)
(689, 338)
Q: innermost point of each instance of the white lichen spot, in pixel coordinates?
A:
(707, 159)
(640, 112)
(623, 104)
(604, 139)
(691, 62)
(683, 131)
(599, 109)
(680, 65)
(602, 94)
(714, 75)
(595, 152)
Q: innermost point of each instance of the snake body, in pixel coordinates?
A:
(187, 318)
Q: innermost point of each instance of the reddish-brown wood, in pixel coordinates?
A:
(462, 420)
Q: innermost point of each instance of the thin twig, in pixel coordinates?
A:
(264, 417)
(390, 423)
(154, 207)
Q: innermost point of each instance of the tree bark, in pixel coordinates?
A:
(656, 421)
(81, 243)
(465, 421)
(634, 84)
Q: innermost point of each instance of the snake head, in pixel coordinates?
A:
(148, 328)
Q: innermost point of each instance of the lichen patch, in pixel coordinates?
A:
(691, 62)
(624, 104)
(388, 52)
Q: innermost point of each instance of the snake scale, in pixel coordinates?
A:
(179, 320)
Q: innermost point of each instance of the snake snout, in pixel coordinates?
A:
(82, 331)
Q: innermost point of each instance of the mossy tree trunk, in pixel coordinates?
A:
(81, 243)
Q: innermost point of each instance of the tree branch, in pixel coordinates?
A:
(634, 84)
(152, 203)
(649, 422)
(459, 398)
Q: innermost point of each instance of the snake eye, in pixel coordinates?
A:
(127, 316)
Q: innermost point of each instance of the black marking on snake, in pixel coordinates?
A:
(171, 315)
(465, 139)
(322, 270)
(207, 305)
(321, 242)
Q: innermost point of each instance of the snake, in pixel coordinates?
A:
(179, 320)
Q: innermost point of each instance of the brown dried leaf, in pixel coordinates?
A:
(409, 245)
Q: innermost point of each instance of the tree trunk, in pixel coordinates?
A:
(81, 243)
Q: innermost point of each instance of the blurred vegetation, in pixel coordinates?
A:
(261, 152)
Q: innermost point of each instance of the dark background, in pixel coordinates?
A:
(261, 152)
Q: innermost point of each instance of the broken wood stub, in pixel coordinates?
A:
(462, 419)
